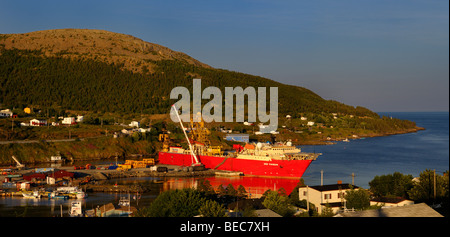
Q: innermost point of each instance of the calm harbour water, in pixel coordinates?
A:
(409, 153)
(405, 153)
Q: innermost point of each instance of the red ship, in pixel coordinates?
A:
(261, 159)
(285, 161)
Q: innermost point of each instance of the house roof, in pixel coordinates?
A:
(331, 187)
(388, 199)
(332, 204)
(415, 210)
(266, 213)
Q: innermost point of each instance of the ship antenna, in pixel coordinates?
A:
(184, 131)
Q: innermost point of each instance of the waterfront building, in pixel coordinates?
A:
(323, 195)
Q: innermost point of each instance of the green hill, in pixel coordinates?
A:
(111, 76)
(43, 70)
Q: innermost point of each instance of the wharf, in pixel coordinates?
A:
(88, 178)
(172, 171)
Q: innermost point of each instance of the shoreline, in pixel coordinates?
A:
(332, 142)
(10, 163)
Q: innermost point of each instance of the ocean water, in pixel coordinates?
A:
(409, 153)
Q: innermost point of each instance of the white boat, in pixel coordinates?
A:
(57, 195)
(68, 189)
(124, 201)
(346, 140)
(81, 195)
(34, 195)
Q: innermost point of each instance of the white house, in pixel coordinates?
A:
(6, 113)
(68, 121)
(310, 123)
(80, 118)
(38, 122)
(303, 118)
(323, 195)
(144, 130)
(134, 124)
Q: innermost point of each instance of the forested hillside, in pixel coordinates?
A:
(28, 77)
(111, 78)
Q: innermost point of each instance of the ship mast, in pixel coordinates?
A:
(184, 131)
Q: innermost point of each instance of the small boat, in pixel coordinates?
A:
(124, 201)
(57, 195)
(69, 189)
(81, 195)
(346, 140)
(34, 195)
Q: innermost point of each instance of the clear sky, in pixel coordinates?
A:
(382, 54)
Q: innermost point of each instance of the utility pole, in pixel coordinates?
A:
(353, 179)
(434, 172)
(321, 177)
(307, 199)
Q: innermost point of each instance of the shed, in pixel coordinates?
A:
(29, 177)
(59, 174)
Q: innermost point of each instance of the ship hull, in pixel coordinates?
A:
(274, 168)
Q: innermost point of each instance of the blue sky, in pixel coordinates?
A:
(383, 55)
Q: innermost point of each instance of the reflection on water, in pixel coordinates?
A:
(255, 186)
(44, 207)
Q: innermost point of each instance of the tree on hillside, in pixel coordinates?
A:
(205, 186)
(277, 203)
(358, 199)
(231, 191)
(241, 192)
(423, 190)
(396, 184)
(175, 203)
(212, 209)
(221, 191)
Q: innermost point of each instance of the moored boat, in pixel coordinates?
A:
(32, 195)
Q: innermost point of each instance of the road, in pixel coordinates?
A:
(37, 141)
